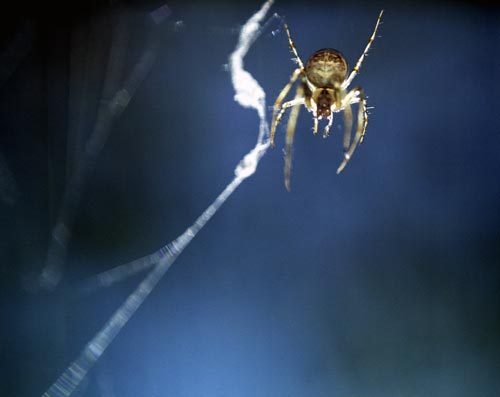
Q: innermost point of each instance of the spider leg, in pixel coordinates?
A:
(292, 46)
(362, 99)
(311, 107)
(326, 132)
(354, 96)
(290, 132)
(347, 126)
(315, 125)
(355, 71)
(277, 104)
(285, 106)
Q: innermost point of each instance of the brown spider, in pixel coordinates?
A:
(323, 92)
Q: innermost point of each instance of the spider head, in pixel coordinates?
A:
(323, 97)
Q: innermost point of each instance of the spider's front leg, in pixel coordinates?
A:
(356, 95)
(278, 110)
(355, 71)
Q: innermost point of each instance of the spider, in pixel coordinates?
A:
(322, 91)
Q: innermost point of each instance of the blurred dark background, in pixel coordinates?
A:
(382, 281)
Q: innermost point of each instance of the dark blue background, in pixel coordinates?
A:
(382, 281)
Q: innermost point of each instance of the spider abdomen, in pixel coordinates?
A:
(326, 67)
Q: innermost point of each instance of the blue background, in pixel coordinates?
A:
(382, 281)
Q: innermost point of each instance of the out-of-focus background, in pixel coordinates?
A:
(382, 281)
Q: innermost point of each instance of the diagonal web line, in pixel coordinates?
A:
(108, 113)
(248, 93)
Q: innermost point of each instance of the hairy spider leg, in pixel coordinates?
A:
(290, 132)
(355, 71)
(365, 119)
(277, 104)
(292, 46)
(354, 96)
(356, 99)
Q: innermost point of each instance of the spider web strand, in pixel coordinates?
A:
(248, 94)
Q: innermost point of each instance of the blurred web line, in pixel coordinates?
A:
(112, 107)
(248, 93)
(116, 274)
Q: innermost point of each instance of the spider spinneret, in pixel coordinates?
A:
(322, 90)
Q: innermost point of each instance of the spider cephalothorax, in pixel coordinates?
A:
(322, 90)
